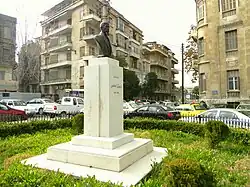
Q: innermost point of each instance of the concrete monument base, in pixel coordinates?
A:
(104, 150)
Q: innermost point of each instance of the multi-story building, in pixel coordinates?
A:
(223, 36)
(68, 34)
(7, 53)
(162, 62)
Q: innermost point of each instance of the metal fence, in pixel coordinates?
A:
(233, 123)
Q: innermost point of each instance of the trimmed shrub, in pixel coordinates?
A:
(215, 132)
(78, 123)
(150, 124)
(182, 172)
(11, 129)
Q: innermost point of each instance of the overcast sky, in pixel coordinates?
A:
(164, 21)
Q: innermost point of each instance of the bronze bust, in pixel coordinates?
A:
(103, 42)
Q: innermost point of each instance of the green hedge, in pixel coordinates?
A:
(11, 129)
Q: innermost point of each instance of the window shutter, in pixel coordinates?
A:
(238, 83)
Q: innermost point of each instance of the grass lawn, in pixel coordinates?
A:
(230, 162)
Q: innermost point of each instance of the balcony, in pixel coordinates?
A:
(91, 18)
(133, 54)
(162, 77)
(121, 48)
(134, 41)
(61, 63)
(119, 31)
(157, 63)
(61, 29)
(60, 47)
(175, 71)
(56, 81)
(174, 60)
(175, 82)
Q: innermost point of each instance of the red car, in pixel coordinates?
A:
(10, 114)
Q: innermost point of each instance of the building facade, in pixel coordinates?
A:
(162, 62)
(223, 37)
(7, 53)
(68, 43)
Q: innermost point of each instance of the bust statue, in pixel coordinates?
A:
(103, 42)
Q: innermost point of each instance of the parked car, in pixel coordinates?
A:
(10, 114)
(19, 105)
(188, 110)
(244, 109)
(230, 117)
(41, 105)
(69, 105)
(154, 111)
(129, 107)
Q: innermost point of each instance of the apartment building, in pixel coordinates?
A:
(68, 35)
(162, 61)
(7, 53)
(223, 36)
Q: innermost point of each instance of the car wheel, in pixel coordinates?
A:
(63, 115)
(40, 111)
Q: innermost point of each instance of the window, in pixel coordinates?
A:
(2, 75)
(231, 40)
(6, 54)
(200, 10)
(233, 80)
(53, 58)
(203, 86)
(47, 60)
(82, 32)
(228, 115)
(7, 32)
(68, 73)
(201, 46)
(228, 5)
(2, 107)
(209, 114)
(82, 71)
(69, 56)
(92, 51)
(120, 25)
(80, 101)
(82, 51)
(142, 109)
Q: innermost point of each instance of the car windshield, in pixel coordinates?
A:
(133, 105)
(244, 107)
(19, 103)
(199, 107)
(48, 101)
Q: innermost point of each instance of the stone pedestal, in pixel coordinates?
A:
(104, 149)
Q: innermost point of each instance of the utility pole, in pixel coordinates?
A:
(182, 74)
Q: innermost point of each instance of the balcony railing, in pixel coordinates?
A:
(59, 29)
(56, 81)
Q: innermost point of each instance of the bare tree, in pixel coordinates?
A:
(191, 54)
(28, 71)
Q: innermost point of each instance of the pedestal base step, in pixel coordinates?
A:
(130, 176)
(114, 160)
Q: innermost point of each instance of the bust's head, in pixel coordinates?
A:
(105, 27)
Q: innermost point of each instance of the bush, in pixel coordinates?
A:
(150, 124)
(181, 172)
(11, 129)
(215, 132)
(78, 123)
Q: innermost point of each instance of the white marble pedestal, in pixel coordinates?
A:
(104, 151)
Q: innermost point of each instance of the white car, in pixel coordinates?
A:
(19, 105)
(129, 107)
(41, 105)
(231, 117)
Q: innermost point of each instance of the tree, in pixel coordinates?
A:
(131, 83)
(191, 54)
(28, 71)
(150, 85)
(195, 92)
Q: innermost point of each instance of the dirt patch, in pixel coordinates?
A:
(15, 158)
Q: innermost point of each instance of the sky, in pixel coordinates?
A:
(164, 21)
